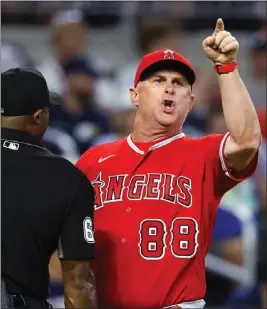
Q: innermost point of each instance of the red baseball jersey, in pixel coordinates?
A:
(155, 207)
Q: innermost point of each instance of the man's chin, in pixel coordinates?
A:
(167, 121)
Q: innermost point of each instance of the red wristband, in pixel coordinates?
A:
(225, 68)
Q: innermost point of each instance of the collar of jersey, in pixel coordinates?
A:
(20, 137)
(157, 145)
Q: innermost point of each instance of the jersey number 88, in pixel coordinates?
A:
(183, 244)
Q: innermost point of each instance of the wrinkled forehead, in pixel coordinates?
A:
(168, 74)
(165, 73)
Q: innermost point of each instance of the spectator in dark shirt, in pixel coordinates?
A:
(79, 116)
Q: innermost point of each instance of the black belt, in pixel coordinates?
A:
(20, 301)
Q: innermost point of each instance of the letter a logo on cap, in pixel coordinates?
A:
(168, 54)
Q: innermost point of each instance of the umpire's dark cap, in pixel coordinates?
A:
(24, 91)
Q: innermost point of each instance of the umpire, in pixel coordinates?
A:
(47, 204)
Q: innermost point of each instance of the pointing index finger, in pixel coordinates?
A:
(219, 26)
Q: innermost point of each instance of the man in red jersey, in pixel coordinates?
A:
(157, 191)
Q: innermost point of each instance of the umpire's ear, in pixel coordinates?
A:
(37, 116)
(134, 96)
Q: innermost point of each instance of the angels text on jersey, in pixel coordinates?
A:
(150, 186)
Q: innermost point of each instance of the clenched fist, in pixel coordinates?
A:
(221, 47)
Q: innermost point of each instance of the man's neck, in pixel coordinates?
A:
(17, 125)
(14, 123)
(147, 135)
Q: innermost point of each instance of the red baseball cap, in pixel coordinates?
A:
(164, 60)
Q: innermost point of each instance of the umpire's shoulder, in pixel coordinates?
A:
(64, 171)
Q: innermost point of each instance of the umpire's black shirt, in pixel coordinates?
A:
(47, 204)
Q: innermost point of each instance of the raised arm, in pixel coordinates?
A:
(240, 115)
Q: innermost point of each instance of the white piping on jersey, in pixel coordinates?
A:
(190, 304)
(160, 144)
(224, 167)
(132, 145)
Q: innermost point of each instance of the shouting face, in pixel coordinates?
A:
(164, 99)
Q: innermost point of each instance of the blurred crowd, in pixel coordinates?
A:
(95, 109)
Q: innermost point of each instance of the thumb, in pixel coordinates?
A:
(219, 26)
(209, 41)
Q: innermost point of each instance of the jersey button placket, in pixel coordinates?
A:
(123, 240)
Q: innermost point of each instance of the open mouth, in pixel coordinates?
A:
(168, 106)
